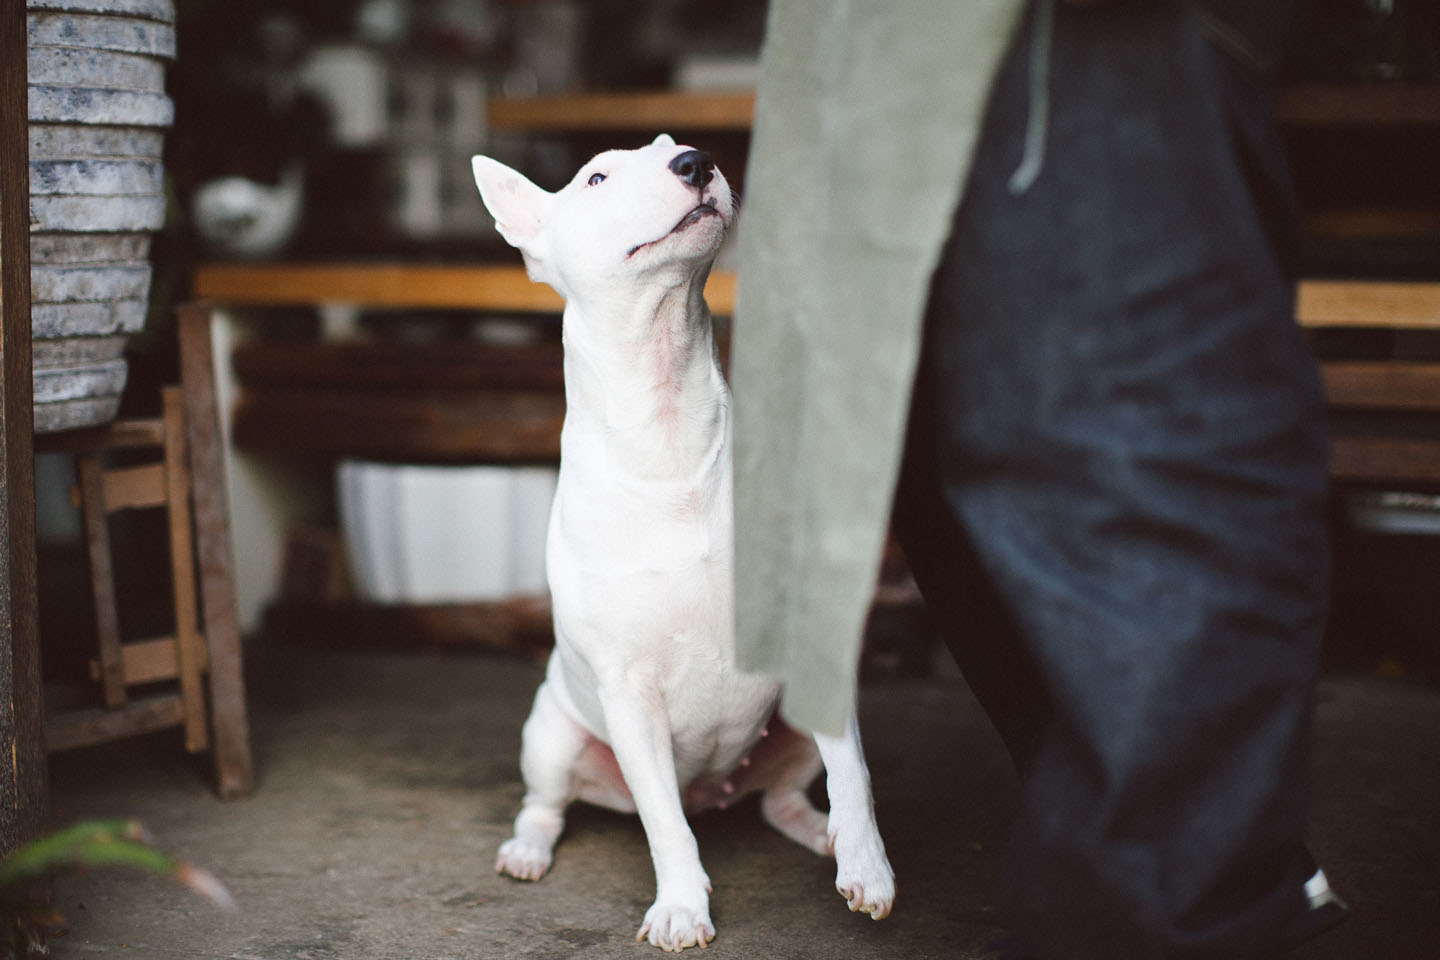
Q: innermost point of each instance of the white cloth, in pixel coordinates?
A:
(865, 123)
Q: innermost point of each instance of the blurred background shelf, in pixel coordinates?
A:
(643, 111)
(399, 285)
(1349, 104)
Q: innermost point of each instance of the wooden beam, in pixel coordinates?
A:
(188, 639)
(230, 722)
(386, 365)
(1367, 385)
(81, 728)
(134, 488)
(401, 427)
(1355, 303)
(398, 286)
(102, 577)
(375, 285)
(1373, 223)
(650, 112)
(147, 661)
(23, 784)
(519, 624)
(1385, 459)
(1335, 105)
(121, 434)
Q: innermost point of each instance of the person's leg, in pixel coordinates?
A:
(1126, 426)
(969, 613)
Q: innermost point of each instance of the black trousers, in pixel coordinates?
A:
(1114, 487)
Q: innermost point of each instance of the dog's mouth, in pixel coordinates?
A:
(701, 211)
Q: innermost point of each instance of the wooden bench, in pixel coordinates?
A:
(1385, 409)
(294, 406)
(263, 384)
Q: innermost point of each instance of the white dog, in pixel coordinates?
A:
(642, 708)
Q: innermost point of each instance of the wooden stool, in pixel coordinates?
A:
(205, 642)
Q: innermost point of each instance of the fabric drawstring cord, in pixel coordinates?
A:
(1036, 124)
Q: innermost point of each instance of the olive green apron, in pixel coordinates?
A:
(866, 120)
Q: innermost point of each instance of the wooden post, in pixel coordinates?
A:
(23, 786)
(96, 519)
(189, 657)
(230, 726)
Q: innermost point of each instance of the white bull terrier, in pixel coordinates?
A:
(642, 708)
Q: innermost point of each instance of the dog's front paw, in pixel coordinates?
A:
(523, 859)
(863, 875)
(674, 926)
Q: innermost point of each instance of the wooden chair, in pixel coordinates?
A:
(184, 471)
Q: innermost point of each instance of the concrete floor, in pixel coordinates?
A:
(387, 780)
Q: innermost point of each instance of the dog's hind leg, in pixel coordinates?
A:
(862, 871)
(784, 764)
(551, 745)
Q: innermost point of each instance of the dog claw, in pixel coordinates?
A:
(522, 861)
(855, 900)
(674, 929)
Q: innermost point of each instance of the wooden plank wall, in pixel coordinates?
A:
(22, 754)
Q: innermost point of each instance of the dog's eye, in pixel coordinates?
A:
(596, 178)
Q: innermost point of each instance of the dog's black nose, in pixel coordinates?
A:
(694, 167)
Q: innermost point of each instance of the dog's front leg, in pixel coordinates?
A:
(862, 871)
(640, 736)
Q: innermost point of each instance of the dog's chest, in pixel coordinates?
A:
(634, 527)
(641, 579)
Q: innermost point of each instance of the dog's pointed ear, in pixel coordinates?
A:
(518, 206)
(664, 140)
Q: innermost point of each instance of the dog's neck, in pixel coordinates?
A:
(641, 373)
